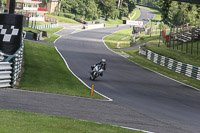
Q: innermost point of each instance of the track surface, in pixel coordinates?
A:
(141, 98)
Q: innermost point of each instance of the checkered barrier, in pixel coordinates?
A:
(45, 26)
(179, 67)
(6, 36)
(17, 65)
(10, 68)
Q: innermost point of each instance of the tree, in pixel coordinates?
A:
(107, 7)
(2, 3)
(91, 11)
(131, 5)
(45, 2)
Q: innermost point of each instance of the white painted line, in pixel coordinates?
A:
(129, 128)
(109, 99)
(57, 38)
(134, 14)
(58, 35)
(136, 129)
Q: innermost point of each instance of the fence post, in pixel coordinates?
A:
(197, 48)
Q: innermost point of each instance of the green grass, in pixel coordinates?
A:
(45, 71)
(178, 55)
(51, 37)
(123, 36)
(24, 122)
(31, 29)
(163, 70)
(112, 22)
(145, 38)
(138, 13)
(64, 19)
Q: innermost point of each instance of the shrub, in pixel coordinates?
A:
(69, 15)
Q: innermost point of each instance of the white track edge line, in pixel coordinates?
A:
(58, 35)
(129, 128)
(136, 129)
(109, 99)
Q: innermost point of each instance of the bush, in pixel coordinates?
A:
(69, 15)
(61, 14)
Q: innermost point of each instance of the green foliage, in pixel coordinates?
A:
(2, 3)
(31, 29)
(176, 13)
(64, 19)
(93, 9)
(25, 122)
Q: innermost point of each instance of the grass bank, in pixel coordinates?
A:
(23, 122)
(123, 38)
(64, 19)
(45, 71)
(138, 13)
(51, 37)
(175, 53)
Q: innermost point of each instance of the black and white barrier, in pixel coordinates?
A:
(11, 48)
(179, 67)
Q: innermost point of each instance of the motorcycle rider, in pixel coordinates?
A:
(102, 65)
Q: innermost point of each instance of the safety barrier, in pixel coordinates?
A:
(179, 67)
(45, 26)
(10, 68)
(5, 74)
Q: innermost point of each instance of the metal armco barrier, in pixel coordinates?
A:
(179, 67)
(10, 32)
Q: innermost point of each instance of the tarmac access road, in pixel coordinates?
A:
(142, 99)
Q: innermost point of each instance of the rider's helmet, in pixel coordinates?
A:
(103, 60)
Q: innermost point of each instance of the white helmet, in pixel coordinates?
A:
(103, 60)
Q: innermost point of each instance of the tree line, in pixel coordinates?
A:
(176, 13)
(93, 9)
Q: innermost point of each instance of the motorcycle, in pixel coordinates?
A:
(96, 72)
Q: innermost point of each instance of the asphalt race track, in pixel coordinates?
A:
(142, 99)
(131, 85)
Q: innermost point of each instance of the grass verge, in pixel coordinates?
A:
(23, 122)
(138, 13)
(64, 19)
(45, 71)
(51, 37)
(122, 36)
(178, 55)
(31, 29)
